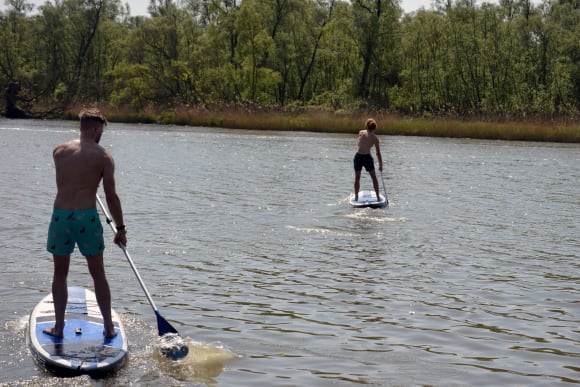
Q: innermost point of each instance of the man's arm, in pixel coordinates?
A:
(113, 201)
(379, 156)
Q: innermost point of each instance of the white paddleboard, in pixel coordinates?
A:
(368, 198)
(83, 349)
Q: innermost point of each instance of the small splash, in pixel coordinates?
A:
(316, 230)
(198, 352)
(309, 230)
(345, 199)
(17, 325)
(173, 347)
(366, 216)
(12, 342)
(210, 353)
(412, 308)
(202, 364)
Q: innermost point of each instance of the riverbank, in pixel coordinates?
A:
(388, 124)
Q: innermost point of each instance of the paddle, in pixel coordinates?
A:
(176, 349)
(384, 188)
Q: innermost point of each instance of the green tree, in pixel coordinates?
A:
(562, 52)
(513, 58)
(255, 46)
(376, 32)
(424, 78)
(16, 59)
(218, 47)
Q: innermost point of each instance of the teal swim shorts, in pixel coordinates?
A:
(70, 227)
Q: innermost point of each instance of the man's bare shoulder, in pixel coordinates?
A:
(68, 144)
(65, 147)
(78, 148)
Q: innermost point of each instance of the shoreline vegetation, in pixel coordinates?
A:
(330, 122)
(468, 69)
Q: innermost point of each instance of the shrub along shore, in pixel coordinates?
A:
(328, 122)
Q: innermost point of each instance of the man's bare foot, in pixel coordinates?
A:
(109, 335)
(53, 332)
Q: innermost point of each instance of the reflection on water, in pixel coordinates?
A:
(248, 246)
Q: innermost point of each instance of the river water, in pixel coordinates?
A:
(248, 246)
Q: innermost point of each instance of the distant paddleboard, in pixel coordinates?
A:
(368, 198)
(83, 349)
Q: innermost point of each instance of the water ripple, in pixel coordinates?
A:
(248, 246)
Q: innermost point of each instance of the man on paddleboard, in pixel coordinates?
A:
(80, 165)
(366, 140)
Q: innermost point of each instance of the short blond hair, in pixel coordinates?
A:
(371, 124)
(92, 114)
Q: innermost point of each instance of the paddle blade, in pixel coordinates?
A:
(163, 325)
(173, 346)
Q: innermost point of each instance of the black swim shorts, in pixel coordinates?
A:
(361, 161)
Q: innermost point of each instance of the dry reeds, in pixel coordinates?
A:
(324, 121)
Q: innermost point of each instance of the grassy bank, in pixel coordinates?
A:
(351, 123)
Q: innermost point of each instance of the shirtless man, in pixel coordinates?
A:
(366, 140)
(80, 165)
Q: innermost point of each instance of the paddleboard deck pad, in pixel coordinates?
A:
(83, 349)
(368, 198)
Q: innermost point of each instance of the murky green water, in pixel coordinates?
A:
(249, 248)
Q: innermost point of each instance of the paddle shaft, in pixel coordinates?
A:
(174, 350)
(112, 224)
(384, 188)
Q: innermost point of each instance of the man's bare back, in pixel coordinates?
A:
(80, 165)
(366, 140)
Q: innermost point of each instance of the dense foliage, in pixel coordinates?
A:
(512, 59)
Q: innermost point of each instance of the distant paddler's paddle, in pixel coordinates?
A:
(175, 349)
(384, 189)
